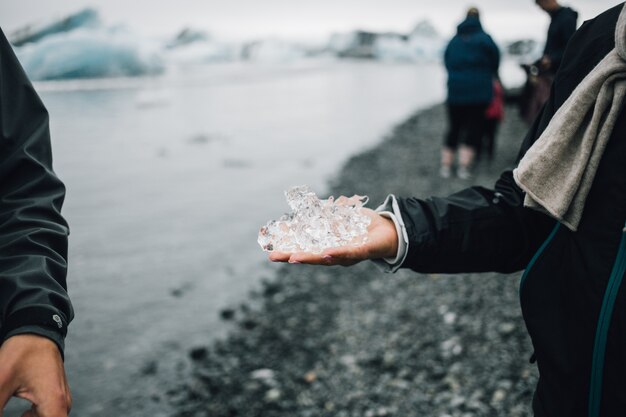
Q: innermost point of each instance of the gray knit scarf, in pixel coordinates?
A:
(557, 171)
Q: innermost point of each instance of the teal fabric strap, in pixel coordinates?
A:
(543, 246)
(602, 330)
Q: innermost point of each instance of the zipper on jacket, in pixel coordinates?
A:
(602, 330)
(543, 247)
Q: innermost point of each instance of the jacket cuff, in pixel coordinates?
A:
(391, 210)
(43, 331)
(41, 320)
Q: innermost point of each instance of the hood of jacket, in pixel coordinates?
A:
(469, 26)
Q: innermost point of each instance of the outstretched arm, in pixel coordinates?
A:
(34, 306)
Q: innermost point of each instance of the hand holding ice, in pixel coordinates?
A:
(314, 224)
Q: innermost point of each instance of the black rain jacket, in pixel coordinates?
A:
(562, 27)
(33, 235)
(572, 298)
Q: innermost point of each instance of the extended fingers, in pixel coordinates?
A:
(299, 258)
(277, 256)
(345, 255)
(302, 258)
(308, 258)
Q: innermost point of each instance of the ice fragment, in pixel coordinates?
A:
(314, 225)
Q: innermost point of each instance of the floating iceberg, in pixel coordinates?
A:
(341, 42)
(202, 52)
(392, 48)
(187, 36)
(87, 18)
(271, 50)
(423, 44)
(314, 224)
(89, 53)
(78, 46)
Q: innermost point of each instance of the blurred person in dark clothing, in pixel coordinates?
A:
(471, 59)
(34, 306)
(541, 73)
(562, 27)
(560, 215)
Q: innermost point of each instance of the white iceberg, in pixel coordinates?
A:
(422, 44)
(392, 48)
(203, 52)
(272, 51)
(89, 53)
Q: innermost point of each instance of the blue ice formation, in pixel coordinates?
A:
(88, 53)
(30, 33)
(80, 47)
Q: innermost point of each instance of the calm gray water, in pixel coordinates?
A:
(169, 180)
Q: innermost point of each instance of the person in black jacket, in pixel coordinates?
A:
(34, 306)
(541, 73)
(561, 29)
(572, 297)
(471, 59)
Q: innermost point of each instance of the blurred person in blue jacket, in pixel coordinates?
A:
(472, 60)
(34, 305)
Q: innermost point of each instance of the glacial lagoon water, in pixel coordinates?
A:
(169, 180)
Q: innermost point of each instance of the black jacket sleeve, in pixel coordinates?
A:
(33, 234)
(477, 229)
(474, 230)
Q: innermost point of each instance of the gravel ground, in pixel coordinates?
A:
(319, 341)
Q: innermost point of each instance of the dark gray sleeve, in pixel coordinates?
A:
(33, 234)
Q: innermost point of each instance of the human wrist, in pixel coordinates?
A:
(391, 249)
(43, 332)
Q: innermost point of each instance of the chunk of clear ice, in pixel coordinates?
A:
(314, 224)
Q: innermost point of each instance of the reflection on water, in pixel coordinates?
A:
(168, 182)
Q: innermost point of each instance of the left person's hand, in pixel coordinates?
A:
(31, 368)
(382, 242)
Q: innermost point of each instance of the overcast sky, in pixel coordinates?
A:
(245, 19)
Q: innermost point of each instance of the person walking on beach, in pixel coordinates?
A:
(560, 215)
(471, 59)
(34, 306)
(542, 72)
